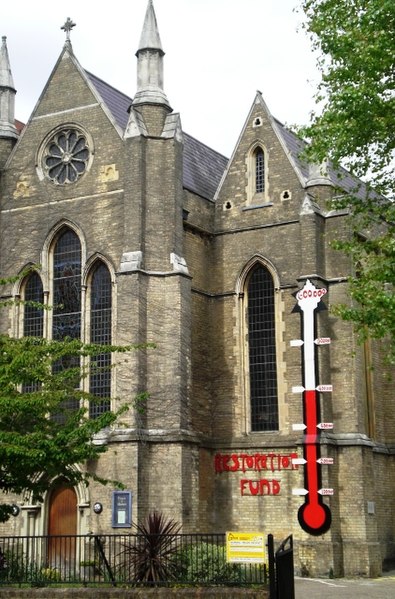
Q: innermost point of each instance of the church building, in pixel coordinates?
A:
(264, 413)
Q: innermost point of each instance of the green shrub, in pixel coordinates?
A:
(41, 577)
(148, 557)
(16, 568)
(13, 567)
(205, 563)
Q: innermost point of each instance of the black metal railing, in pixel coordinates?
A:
(131, 559)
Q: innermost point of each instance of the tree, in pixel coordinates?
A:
(354, 127)
(44, 429)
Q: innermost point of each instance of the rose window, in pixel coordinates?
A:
(66, 156)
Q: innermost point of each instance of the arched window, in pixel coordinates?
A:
(33, 315)
(66, 317)
(100, 332)
(257, 176)
(262, 350)
(259, 158)
(67, 286)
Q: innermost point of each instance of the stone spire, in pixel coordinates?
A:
(7, 95)
(150, 63)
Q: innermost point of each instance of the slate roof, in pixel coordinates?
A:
(295, 146)
(117, 102)
(203, 166)
(340, 177)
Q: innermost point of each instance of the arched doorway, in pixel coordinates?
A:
(62, 526)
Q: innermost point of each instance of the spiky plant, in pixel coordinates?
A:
(149, 557)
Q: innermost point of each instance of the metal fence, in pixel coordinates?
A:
(189, 559)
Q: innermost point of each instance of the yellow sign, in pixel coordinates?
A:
(245, 547)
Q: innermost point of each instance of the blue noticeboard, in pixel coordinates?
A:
(121, 509)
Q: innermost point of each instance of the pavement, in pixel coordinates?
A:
(346, 588)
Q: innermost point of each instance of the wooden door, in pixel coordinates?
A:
(62, 527)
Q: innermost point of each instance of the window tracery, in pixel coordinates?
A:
(68, 302)
(65, 155)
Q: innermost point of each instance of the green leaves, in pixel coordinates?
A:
(372, 287)
(148, 557)
(354, 127)
(44, 426)
(355, 39)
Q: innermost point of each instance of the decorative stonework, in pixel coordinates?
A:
(65, 155)
(23, 188)
(108, 173)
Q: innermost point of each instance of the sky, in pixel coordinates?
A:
(218, 53)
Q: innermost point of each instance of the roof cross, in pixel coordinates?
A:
(67, 27)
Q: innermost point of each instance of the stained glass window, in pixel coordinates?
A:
(262, 351)
(100, 332)
(67, 287)
(66, 318)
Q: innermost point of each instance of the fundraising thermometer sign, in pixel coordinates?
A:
(314, 516)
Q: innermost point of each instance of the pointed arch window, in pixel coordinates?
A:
(66, 318)
(33, 315)
(257, 188)
(67, 286)
(262, 350)
(100, 332)
(259, 160)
